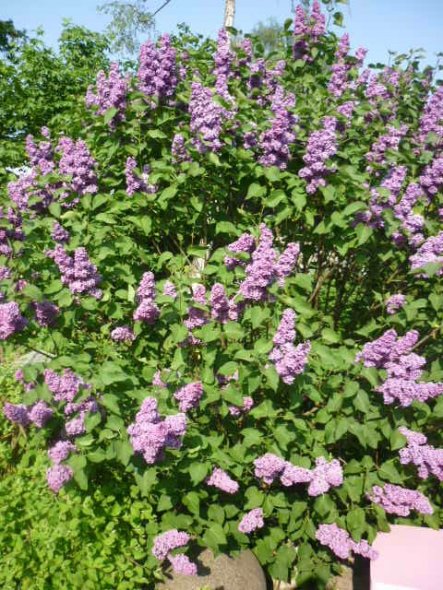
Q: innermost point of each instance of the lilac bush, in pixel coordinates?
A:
(230, 274)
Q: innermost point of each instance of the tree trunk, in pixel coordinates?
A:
(229, 13)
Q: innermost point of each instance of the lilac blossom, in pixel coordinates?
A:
(147, 310)
(389, 141)
(77, 163)
(40, 413)
(412, 223)
(290, 360)
(196, 317)
(46, 313)
(246, 407)
(431, 120)
(179, 151)
(251, 521)
(111, 92)
(341, 544)
(388, 348)
(157, 380)
(431, 179)
(325, 476)
(167, 542)
(286, 262)
(406, 391)
(395, 302)
(427, 458)
(57, 476)
(59, 234)
(150, 435)
(207, 119)
(189, 396)
(222, 308)
(170, 290)
(181, 564)
(16, 413)
(135, 183)
(431, 251)
(221, 480)
(76, 426)
(61, 450)
(321, 146)
(400, 501)
(286, 329)
(5, 273)
(223, 59)
(157, 72)
(123, 334)
(269, 467)
(386, 198)
(338, 83)
(40, 156)
(245, 245)
(260, 273)
(64, 387)
(11, 320)
(79, 274)
(274, 143)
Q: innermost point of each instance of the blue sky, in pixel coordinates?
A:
(379, 25)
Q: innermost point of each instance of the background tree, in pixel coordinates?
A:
(41, 86)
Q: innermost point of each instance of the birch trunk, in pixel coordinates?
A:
(229, 13)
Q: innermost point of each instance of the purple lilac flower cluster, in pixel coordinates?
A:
(431, 251)
(41, 156)
(79, 274)
(58, 475)
(389, 141)
(169, 289)
(207, 119)
(244, 245)
(38, 414)
(147, 310)
(165, 543)
(431, 120)
(395, 302)
(157, 72)
(23, 189)
(400, 501)
(338, 83)
(341, 544)
(223, 309)
(46, 313)
(427, 458)
(59, 234)
(321, 479)
(223, 59)
(189, 396)
(411, 223)
(112, 91)
(275, 142)
(403, 368)
(150, 435)
(11, 229)
(289, 360)
(251, 521)
(431, 180)
(64, 387)
(385, 197)
(266, 266)
(178, 149)
(197, 317)
(322, 145)
(77, 163)
(123, 334)
(246, 407)
(220, 479)
(11, 320)
(135, 183)
(308, 28)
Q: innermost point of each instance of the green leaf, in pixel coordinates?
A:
(110, 114)
(198, 471)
